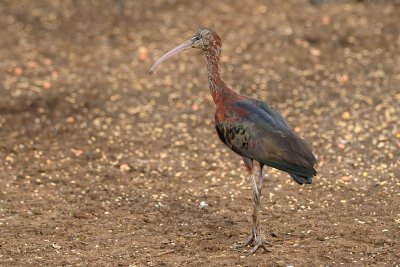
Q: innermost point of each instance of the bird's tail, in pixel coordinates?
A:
(301, 179)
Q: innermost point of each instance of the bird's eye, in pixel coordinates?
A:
(197, 38)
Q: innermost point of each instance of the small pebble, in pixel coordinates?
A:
(315, 52)
(143, 54)
(326, 20)
(47, 85)
(18, 71)
(125, 167)
(70, 119)
(195, 107)
(54, 245)
(345, 179)
(203, 204)
(346, 115)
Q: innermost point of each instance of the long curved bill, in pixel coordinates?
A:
(186, 45)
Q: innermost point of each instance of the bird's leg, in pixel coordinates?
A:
(260, 178)
(256, 231)
(249, 166)
(256, 235)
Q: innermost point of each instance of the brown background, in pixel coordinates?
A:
(102, 164)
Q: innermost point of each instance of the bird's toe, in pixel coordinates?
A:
(262, 244)
(245, 243)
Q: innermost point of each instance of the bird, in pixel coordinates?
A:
(251, 128)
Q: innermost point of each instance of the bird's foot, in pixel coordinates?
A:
(256, 239)
(245, 243)
(258, 244)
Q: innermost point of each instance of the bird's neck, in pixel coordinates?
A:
(215, 82)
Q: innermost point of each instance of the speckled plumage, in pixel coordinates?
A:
(256, 131)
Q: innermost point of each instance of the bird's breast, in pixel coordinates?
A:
(228, 113)
(219, 115)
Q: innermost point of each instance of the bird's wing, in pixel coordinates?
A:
(257, 131)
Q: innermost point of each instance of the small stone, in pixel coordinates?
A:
(315, 52)
(326, 20)
(345, 179)
(195, 107)
(143, 55)
(203, 204)
(46, 85)
(125, 167)
(77, 152)
(344, 78)
(54, 245)
(54, 75)
(70, 119)
(346, 115)
(18, 71)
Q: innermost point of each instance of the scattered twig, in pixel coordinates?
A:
(165, 252)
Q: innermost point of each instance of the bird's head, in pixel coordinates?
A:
(204, 38)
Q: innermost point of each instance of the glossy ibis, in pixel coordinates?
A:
(252, 129)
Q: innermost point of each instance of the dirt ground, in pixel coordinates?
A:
(105, 165)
